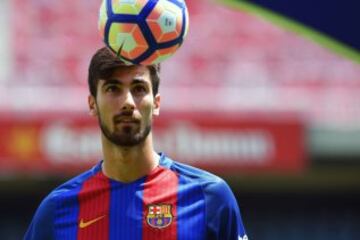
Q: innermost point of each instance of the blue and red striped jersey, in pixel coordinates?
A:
(174, 202)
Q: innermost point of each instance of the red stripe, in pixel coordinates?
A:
(94, 200)
(160, 189)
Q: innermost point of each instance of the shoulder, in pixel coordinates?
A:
(190, 172)
(215, 189)
(42, 224)
(223, 219)
(71, 187)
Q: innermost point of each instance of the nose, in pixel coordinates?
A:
(129, 103)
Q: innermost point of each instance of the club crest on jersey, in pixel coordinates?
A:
(159, 215)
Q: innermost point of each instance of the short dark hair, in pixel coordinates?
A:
(103, 64)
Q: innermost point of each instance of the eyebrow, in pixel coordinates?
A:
(136, 80)
(111, 81)
(139, 80)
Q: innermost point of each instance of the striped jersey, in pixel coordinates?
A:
(174, 202)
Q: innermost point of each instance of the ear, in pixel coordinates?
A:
(156, 111)
(92, 105)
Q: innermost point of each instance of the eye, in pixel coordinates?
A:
(139, 90)
(112, 89)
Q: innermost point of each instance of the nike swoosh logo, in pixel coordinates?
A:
(84, 224)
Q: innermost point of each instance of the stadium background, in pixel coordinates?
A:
(275, 114)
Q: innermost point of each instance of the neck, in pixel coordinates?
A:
(127, 164)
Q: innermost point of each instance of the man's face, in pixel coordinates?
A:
(125, 105)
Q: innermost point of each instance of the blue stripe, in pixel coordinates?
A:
(66, 214)
(126, 210)
(190, 210)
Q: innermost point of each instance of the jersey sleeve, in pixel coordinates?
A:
(222, 212)
(41, 226)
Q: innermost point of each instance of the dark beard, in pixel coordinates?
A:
(125, 138)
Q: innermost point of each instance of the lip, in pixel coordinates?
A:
(127, 121)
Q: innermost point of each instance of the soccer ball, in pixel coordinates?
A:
(143, 31)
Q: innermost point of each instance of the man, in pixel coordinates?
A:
(135, 193)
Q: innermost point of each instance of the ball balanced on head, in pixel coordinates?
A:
(143, 31)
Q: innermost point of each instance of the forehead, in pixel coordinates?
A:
(125, 74)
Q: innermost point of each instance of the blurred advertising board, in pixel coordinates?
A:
(64, 143)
